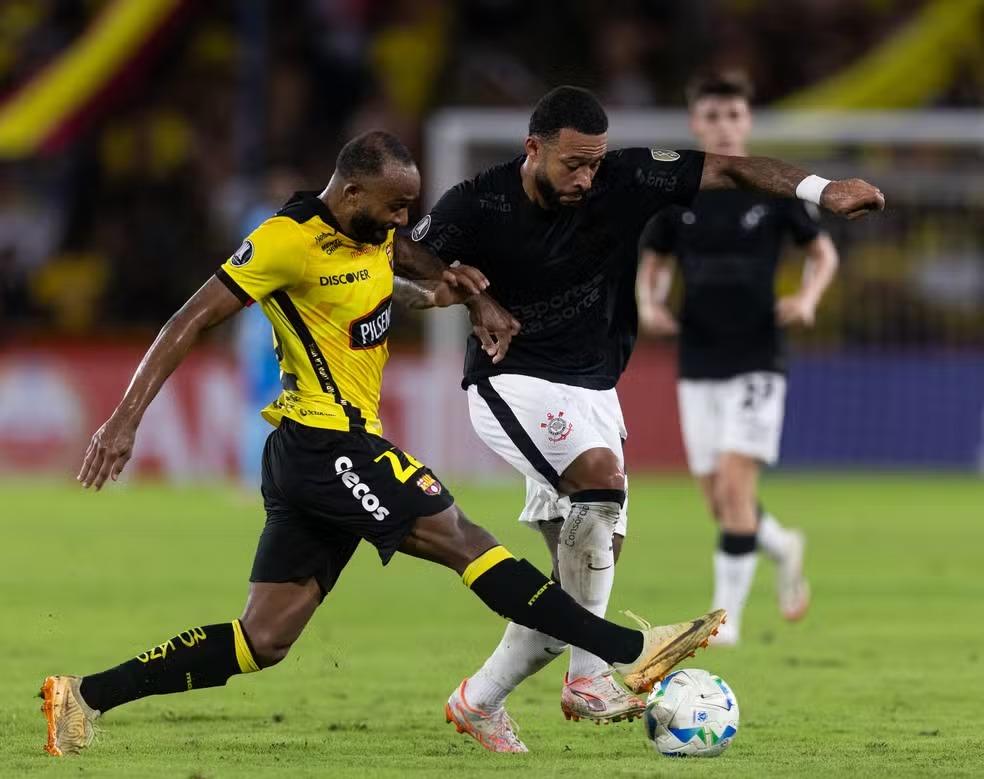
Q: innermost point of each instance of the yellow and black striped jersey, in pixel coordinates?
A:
(328, 298)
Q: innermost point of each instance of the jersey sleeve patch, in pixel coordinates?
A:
(242, 255)
(272, 257)
(664, 155)
(421, 228)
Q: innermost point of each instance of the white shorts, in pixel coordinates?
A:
(742, 414)
(540, 427)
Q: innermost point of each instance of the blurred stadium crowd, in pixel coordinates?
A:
(230, 106)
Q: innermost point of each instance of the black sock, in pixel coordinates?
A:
(737, 543)
(516, 590)
(197, 658)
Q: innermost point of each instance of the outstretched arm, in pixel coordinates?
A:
(848, 197)
(112, 444)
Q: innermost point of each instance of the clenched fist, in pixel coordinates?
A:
(852, 198)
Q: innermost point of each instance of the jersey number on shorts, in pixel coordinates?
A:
(400, 471)
(758, 389)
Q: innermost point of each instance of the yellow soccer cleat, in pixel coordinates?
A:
(70, 720)
(666, 645)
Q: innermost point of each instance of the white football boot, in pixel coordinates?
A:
(599, 699)
(792, 587)
(493, 730)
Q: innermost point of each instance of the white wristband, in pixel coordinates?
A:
(810, 188)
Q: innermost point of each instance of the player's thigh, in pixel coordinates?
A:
(700, 423)
(753, 408)
(539, 427)
(351, 486)
(375, 491)
(600, 467)
(448, 538)
(295, 546)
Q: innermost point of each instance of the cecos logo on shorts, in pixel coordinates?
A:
(360, 490)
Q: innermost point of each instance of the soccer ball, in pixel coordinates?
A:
(691, 713)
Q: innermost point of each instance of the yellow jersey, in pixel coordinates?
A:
(328, 298)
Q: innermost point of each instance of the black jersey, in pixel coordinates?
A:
(567, 275)
(727, 246)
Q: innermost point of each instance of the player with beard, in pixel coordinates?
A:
(555, 230)
(732, 388)
(322, 270)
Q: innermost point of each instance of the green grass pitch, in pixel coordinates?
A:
(885, 677)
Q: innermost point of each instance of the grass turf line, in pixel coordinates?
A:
(883, 677)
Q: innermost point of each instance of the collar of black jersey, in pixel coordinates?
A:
(309, 200)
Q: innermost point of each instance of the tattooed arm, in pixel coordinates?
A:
(848, 197)
(415, 294)
(425, 281)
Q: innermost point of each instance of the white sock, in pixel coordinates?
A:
(521, 653)
(587, 569)
(733, 575)
(771, 537)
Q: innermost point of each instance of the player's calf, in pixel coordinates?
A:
(194, 659)
(276, 614)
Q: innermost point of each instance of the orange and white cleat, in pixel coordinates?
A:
(70, 720)
(664, 646)
(493, 730)
(599, 699)
(793, 588)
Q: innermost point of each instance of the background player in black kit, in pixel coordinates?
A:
(555, 230)
(732, 387)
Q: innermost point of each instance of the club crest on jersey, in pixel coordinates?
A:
(753, 216)
(242, 255)
(664, 155)
(429, 485)
(420, 229)
(557, 427)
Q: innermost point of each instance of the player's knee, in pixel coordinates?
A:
(595, 469)
(468, 541)
(734, 505)
(269, 644)
(728, 491)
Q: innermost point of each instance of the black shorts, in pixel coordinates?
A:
(325, 490)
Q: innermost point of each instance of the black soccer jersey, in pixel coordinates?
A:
(727, 246)
(568, 275)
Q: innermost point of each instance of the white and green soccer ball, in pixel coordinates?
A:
(691, 713)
